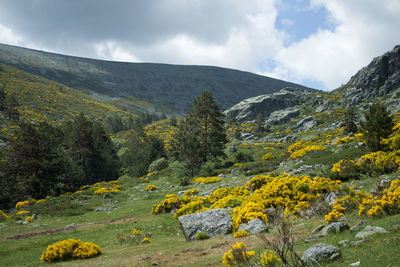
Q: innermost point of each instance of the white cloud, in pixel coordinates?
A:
(7, 36)
(366, 28)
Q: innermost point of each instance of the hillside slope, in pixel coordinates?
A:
(171, 87)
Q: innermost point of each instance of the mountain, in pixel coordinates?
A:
(144, 86)
(379, 78)
(302, 110)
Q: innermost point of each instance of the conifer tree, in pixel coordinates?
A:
(201, 135)
(378, 124)
(350, 120)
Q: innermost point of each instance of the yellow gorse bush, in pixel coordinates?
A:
(206, 180)
(241, 233)
(29, 219)
(287, 192)
(4, 215)
(68, 249)
(269, 258)
(105, 187)
(22, 212)
(151, 187)
(238, 255)
(267, 156)
(20, 204)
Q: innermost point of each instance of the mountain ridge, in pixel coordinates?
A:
(166, 85)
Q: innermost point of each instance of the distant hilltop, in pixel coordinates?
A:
(168, 87)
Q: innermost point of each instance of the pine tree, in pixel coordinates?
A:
(378, 124)
(350, 120)
(201, 135)
(91, 148)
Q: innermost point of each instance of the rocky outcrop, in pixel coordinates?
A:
(213, 222)
(282, 116)
(320, 252)
(379, 78)
(306, 124)
(249, 109)
(254, 226)
(370, 230)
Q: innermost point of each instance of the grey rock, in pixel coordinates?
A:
(320, 252)
(232, 149)
(335, 256)
(331, 197)
(288, 139)
(34, 216)
(335, 227)
(19, 222)
(254, 226)
(214, 222)
(357, 226)
(396, 227)
(282, 116)
(354, 264)
(344, 243)
(359, 242)
(379, 78)
(306, 124)
(306, 168)
(102, 209)
(314, 237)
(370, 230)
(25, 222)
(317, 229)
(248, 109)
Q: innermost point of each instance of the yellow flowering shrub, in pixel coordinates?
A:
(238, 165)
(206, 180)
(247, 212)
(302, 152)
(151, 187)
(267, 156)
(29, 219)
(4, 215)
(171, 202)
(103, 190)
(238, 255)
(192, 207)
(40, 201)
(146, 240)
(344, 140)
(241, 233)
(191, 192)
(68, 249)
(20, 204)
(22, 212)
(269, 258)
(384, 161)
(388, 202)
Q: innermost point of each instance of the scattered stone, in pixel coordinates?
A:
(34, 216)
(344, 243)
(355, 264)
(70, 225)
(102, 209)
(254, 226)
(313, 237)
(19, 222)
(318, 229)
(282, 116)
(25, 222)
(232, 149)
(359, 242)
(320, 252)
(306, 168)
(213, 222)
(370, 230)
(331, 197)
(335, 227)
(396, 227)
(357, 226)
(222, 175)
(335, 256)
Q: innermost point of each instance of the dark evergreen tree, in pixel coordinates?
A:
(350, 120)
(141, 150)
(36, 164)
(378, 124)
(201, 136)
(91, 148)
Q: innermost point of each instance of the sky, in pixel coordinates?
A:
(317, 43)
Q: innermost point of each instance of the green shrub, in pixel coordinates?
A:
(208, 168)
(158, 165)
(202, 236)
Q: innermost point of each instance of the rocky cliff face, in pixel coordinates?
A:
(379, 78)
(248, 110)
(174, 86)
